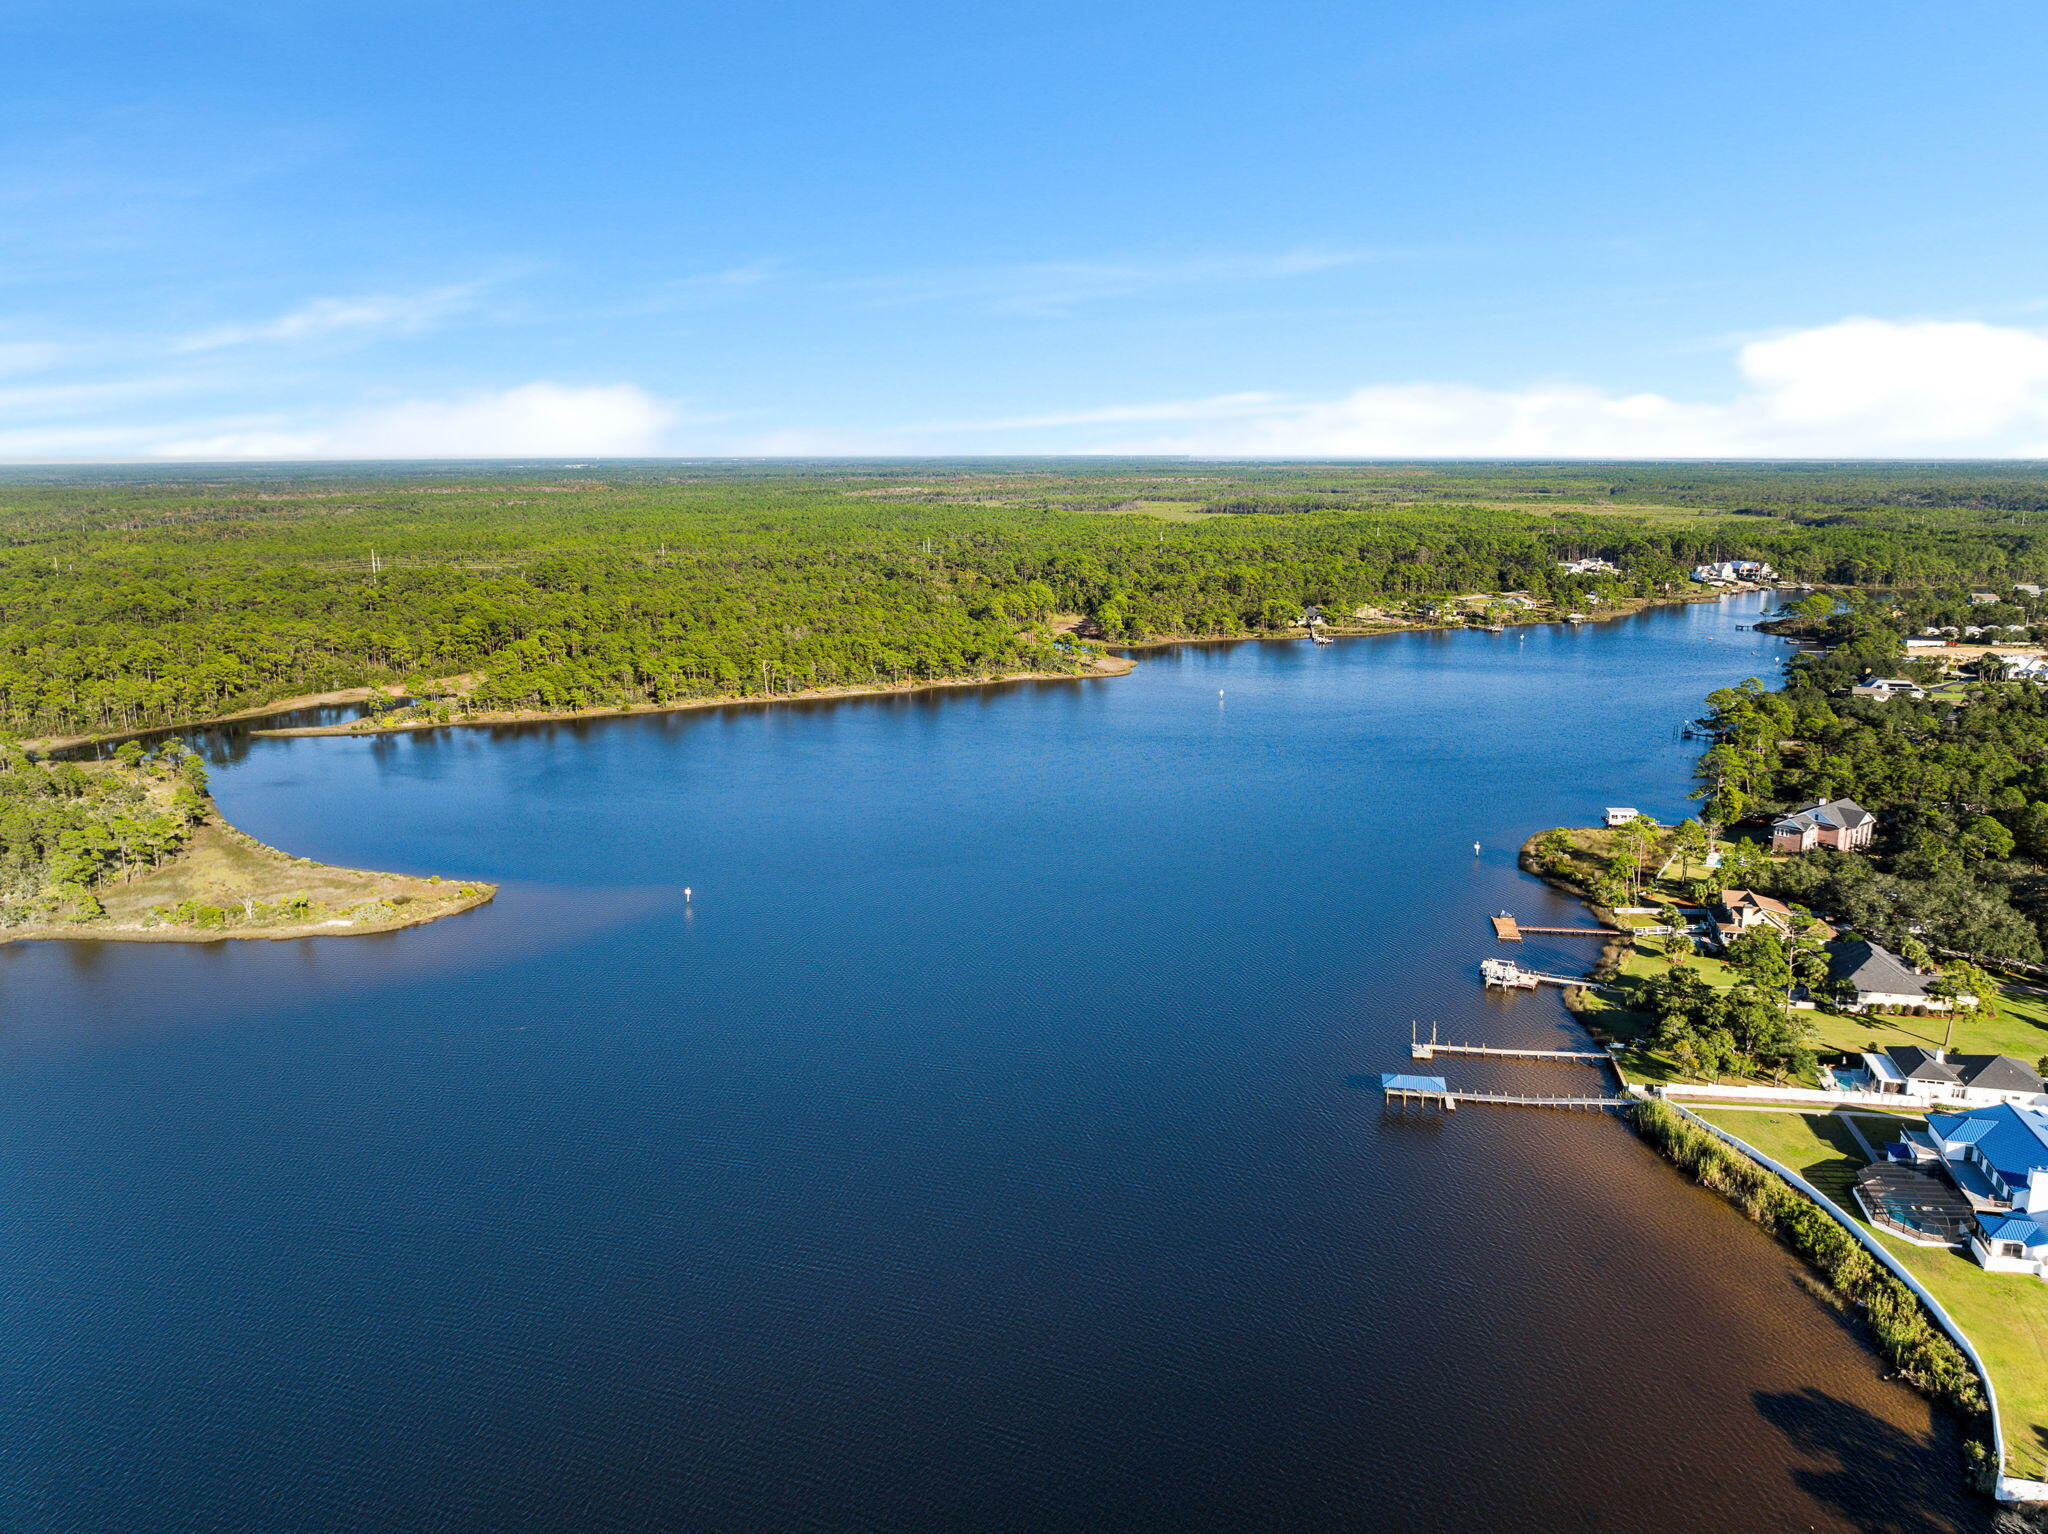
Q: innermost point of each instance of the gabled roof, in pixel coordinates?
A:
(1749, 900)
(1868, 967)
(1996, 1073)
(2014, 1227)
(1839, 814)
(2014, 1140)
(1958, 1128)
(1923, 1064)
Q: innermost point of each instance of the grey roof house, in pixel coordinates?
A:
(1839, 823)
(1877, 977)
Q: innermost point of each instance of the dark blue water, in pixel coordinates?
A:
(979, 1151)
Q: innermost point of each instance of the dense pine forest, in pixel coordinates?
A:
(68, 829)
(1958, 777)
(146, 596)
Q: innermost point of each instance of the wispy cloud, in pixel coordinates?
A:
(539, 420)
(29, 356)
(375, 314)
(1856, 388)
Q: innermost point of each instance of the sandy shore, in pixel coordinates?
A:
(260, 711)
(1119, 664)
(87, 932)
(234, 874)
(1108, 665)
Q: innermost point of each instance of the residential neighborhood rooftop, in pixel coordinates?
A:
(1869, 967)
(1840, 814)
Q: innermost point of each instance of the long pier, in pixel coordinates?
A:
(1425, 1049)
(1509, 930)
(1449, 1100)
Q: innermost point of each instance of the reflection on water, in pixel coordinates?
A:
(977, 1150)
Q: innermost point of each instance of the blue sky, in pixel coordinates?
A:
(312, 228)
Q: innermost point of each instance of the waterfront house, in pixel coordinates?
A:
(1934, 1075)
(1882, 687)
(2025, 668)
(1874, 977)
(1840, 823)
(1621, 815)
(1745, 910)
(1998, 1159)
(1730, 572)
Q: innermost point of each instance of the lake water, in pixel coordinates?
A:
(981, 1149)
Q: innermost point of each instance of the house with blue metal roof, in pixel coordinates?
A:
(1998, 1158)
(2011, 1243)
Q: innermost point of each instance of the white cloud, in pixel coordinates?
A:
(535, 420)
(372, 314)
(1855, 388)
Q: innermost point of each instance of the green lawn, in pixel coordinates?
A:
(2019, 1030)
(2005, 1314)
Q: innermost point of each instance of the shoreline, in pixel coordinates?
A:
(86, 933)
(1106, 666)
(1118, 662)
(1649, 1116)
(221, 855)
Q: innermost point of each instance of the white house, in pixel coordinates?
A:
(1621, 815)
(1587, 567)
(1876, 977)
(1998, 1159)
(1728, 572)
(1887, 687)
(1934, 1076)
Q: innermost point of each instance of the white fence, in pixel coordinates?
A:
(2010, 1488)
(1797, 1097)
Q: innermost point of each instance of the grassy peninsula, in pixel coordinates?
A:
(131, 849)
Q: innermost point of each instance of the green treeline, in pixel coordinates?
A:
(1958, 781)
(68, 829)
(136, 599)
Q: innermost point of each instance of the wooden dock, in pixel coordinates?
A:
(1426, 1049)
(1507, 975)
(1449, 1100)
(1509, 930)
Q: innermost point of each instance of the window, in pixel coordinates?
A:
(2013, 1249)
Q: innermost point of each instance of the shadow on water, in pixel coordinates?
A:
(1877, 1476)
